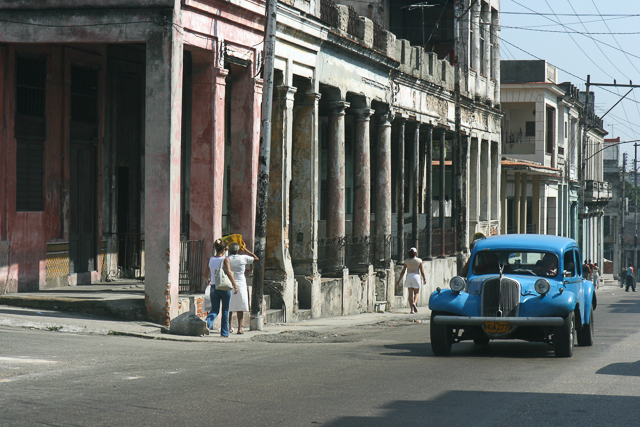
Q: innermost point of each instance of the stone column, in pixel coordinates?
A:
(244, 136)
(362, 187)
(523, 203)
(474, 181)
(336, 183)
(429, 197)
(163, 119)
(400, 189)
(443, 187)
(535, 206)
(475, 43)
(278, 260)
(383, 190)
(304, 184)
(485, 181)
(516, 201)
(415, 178)
(218, 148)
(206, 152)
(503, 202)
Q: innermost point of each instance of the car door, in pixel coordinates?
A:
(573, 280)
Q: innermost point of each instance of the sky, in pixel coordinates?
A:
(600, 38)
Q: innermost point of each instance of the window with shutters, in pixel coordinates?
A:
(30, 132)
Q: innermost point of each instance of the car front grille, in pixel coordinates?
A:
(500, 298)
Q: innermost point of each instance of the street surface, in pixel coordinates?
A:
(378, 375)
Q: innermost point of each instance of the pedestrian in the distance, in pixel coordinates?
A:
(219, 260)
(586, 270)
(414, 269)
(631, 283)
(239, 301)
(596, 275)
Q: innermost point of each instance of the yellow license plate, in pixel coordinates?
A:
(496, 327)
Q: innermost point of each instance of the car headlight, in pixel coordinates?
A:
(542, 286)
(457, 284)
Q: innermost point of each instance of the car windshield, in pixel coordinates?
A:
(543, 264)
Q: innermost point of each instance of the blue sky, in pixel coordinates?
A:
(583, 37)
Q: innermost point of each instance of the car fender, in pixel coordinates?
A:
(549, 305)
(590, 300)
(461, 303)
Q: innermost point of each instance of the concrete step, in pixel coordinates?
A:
(303, 314)
(273, 315)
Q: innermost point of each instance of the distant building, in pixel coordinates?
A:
(543, 149)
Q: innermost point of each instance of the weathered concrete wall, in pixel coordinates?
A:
(162, 173)
(81, 4)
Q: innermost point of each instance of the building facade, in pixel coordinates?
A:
(132, 136)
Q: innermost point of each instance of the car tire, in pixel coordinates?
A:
(585, 335)
(563, 337)
(441, 338)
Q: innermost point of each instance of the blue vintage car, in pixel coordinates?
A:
(517, 286)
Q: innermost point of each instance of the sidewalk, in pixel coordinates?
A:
(60, 321)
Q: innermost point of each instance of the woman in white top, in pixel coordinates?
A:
(219, 297)
(239, 301)
(414, 269)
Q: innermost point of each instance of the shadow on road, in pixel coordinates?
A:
(627, 369)
(479, 408)
(626, 306)
(496, 349)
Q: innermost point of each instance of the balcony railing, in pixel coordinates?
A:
(597, 192)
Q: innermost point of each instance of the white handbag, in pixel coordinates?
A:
(206, 306)
(223, 283)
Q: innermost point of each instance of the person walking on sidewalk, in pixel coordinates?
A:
(586, 270)
(630, 280)
(215, 262)
(596, 275)
(239, 301)
(414, 269)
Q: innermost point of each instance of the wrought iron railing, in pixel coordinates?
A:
(352, 24)
(191, 257)
(130, 254)
(327, 12)
(377, 36)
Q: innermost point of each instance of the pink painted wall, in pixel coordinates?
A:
(27, 233)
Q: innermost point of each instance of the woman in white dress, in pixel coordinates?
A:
(239, 301)
(414, 269)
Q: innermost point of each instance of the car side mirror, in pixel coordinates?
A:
(568, 273)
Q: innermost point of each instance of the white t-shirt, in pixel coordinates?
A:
(238, 264)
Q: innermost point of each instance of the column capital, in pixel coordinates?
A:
(285, 92)
(363, 114)
(308, 98)
(338, 107)
(220, 75)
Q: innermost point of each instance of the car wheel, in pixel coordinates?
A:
(441, 339)
(481, 340)
(585, 335)
(563, 337)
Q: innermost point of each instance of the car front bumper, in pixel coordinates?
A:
(513, 321)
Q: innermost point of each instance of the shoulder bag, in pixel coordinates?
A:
(223, 283)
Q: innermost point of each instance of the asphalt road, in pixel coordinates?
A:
(377, 375)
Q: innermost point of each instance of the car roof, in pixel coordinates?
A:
(541, 242)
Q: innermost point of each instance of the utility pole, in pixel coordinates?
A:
(462, 146)
(583, 170)
(257, 291)
(621, 265)
(635, 208)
